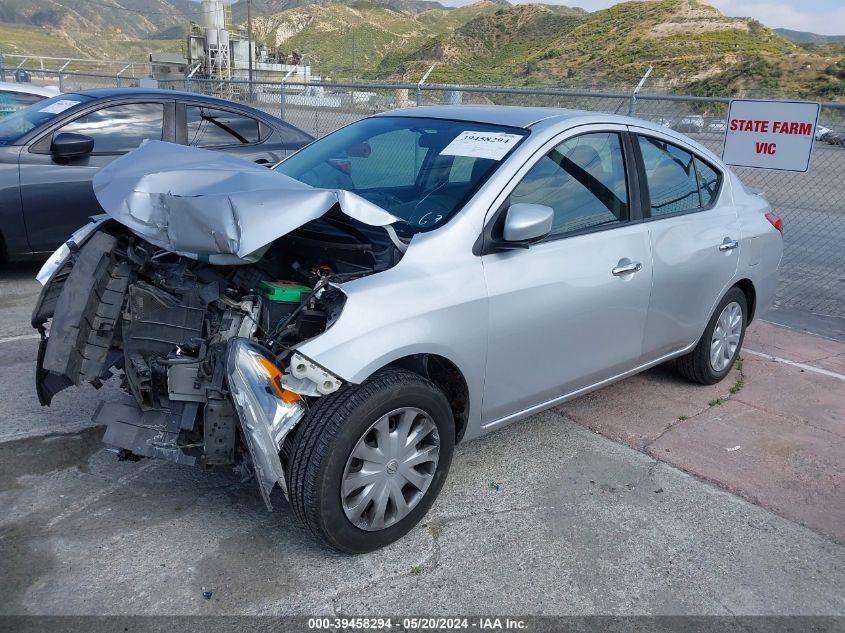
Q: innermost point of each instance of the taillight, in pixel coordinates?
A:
(775, 221)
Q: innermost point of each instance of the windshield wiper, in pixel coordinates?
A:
(225, 128)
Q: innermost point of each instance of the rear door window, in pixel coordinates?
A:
(210, 127)
(671, 176)
(678, 181)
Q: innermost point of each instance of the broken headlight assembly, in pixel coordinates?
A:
(60, 255)
(266, 410)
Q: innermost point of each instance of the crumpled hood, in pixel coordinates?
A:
(212, 206)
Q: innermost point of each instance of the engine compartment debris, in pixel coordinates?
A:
(206, 351)
(214, 207)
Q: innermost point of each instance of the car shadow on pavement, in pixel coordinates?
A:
(18, 271)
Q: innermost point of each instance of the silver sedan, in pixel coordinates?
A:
(413, 280)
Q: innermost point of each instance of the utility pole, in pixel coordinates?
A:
(249, 39)
(353, 56)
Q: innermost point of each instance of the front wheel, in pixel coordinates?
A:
(711, 360)
(369, 460)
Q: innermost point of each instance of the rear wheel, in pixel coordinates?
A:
(369, 460)
(711, 360)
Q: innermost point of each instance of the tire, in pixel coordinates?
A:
(697, 365)
(355, 418)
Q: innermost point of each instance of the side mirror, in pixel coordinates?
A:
(68, 145)
(526, 223)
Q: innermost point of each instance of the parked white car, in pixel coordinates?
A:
(690, 124)
(17, 96)
(717, 125)
(822, 132)
(413, 280)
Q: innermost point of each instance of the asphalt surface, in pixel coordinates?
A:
(542, 517)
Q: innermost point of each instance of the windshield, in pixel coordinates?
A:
(23, 121)
(420, 170)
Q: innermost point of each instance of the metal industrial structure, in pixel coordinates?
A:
(219, 51)
(212, 48)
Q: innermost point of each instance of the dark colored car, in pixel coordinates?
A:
(50, 151)
(835, 138)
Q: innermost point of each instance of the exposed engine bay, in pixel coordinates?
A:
(207, 352)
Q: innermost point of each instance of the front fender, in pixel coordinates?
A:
(433, 302)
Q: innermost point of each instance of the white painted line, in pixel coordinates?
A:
(23, 337)
(785, 361)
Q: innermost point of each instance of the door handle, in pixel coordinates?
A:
(728, 245)
(627, 269)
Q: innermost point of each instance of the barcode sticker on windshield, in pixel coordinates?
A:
(481, 145)
(57, 107)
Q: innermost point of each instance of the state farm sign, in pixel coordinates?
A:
(770, 134)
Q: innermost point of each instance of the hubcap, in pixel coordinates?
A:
(390, 469)
(726, 336)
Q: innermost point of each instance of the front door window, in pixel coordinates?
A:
(120, 128)
(583, 180)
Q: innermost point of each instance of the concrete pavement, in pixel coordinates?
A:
(543, 517)
(773, 431)
(579, 525)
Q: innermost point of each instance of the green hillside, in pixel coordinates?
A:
(272, 7)
(24, 39)
(112, 29)
(330, 36)
(132, 18)
(805, 37)
(690, 45)
(502, 47)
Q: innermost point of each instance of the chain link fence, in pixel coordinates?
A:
(812, 204)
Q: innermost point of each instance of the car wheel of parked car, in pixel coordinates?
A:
(368, 461)
(716, 352)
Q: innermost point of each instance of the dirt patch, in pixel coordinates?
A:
(699, 26)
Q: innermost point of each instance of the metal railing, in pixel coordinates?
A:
(812, 204)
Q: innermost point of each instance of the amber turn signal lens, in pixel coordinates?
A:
(275, 376)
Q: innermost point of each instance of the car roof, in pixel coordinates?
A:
(512, 116)
(28, 88)
(526, 117)
(102, 93)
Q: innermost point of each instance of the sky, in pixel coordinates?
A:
(818, 16)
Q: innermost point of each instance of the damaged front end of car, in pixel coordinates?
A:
(196, 289)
